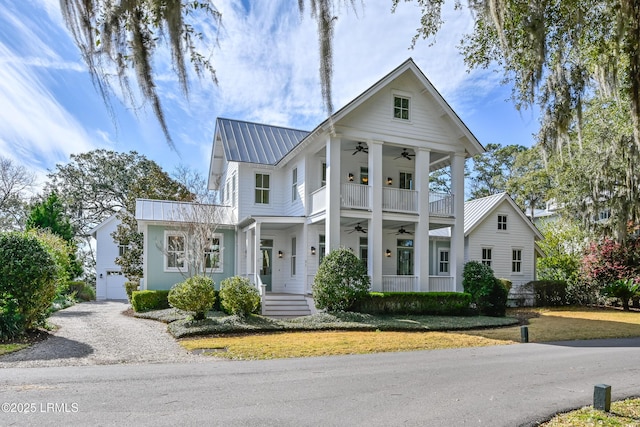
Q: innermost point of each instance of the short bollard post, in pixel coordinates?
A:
(602, 397)
(524, 333)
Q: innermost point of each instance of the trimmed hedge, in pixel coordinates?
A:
(550, 292)
(149, 300)
(130, 287)
(435, 303)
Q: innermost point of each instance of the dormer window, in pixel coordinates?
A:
(400, 107)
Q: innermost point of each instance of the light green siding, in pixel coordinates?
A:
(158, 279)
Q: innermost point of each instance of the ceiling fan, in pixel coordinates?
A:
(402, 231)
(358, 228)
(405, 155)
(360, 148)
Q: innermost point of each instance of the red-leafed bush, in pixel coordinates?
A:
(608, 261)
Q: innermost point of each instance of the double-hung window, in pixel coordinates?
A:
(502, 222)
(486, 256)
(262, 188)
(400, 107)
(293, 256)
(516, 261)
(213, 254)
(294, 184)
(175, 251)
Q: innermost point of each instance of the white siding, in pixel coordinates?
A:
(376, 114)
(517, 236)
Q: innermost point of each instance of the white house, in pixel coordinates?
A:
(360, 179)
(498, 234)
(109, 277)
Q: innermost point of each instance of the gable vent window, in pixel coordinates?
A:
(502, 222)
(400, 107)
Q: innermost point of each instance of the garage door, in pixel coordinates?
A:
(115, 285)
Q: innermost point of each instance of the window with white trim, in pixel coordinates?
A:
(323, 174)
(502, 222)
(400, 107)
(213, 254)
(486, 256)
(516, 261)
(321, 248)
(293, 256)
(262, 188)
(406, 181)
(233, 189)
(294, 184)
(443, 261)
(175, 251)
(364, 251)
(122, 249)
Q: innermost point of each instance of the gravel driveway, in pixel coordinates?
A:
(97, 333)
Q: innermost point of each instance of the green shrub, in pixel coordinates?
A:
(87, 293)
(550, 292)
(433, 303)
(238, 296)
(488, 293)
(149, 300)
(27, 283)
(341, 280)
(507, 284)
(131, 286)
(624, 290)
(75, 287)
(196, 295)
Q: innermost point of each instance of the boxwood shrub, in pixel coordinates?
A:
(434, 303)
(550, 292)
(149, 300)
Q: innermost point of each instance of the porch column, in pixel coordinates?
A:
(456, 262)
(332, 194)
(374, 239)
(257, 257)
(421, 242)
(248, 244)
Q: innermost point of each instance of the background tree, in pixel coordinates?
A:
(15, 183)
(492, 170)
(530, 181)
(50, 215)
(95, 185)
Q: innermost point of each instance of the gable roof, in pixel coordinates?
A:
(94, 230)
(475, 211)
(256, 143)
(269, 145)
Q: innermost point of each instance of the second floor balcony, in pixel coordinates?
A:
(357, 196)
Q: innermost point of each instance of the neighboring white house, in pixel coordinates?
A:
(498, 234)
(109, 277)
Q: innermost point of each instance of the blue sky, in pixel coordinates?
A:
(266, 60)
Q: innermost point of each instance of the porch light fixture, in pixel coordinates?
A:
(389, 181)
(280, 254)
(313, 250)
(350, 176)
(101, 275)
(388, 253)
(365, 179)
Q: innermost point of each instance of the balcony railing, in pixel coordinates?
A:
(358, 196)
(441, 284)
(399, 200)
(318, 201)
(355, 196)
(400, 284)
(440, 204)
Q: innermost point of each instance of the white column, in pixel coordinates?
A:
(332, 194)
(456, 261)
(248, 244)
(257, 255)
(374, 240)
(421, 241)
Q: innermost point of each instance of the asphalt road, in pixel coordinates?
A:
(491, 386)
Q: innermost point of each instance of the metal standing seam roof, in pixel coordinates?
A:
(474, 212)
(256, 143)
(172, 211)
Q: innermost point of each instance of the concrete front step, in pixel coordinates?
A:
(285, 306)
